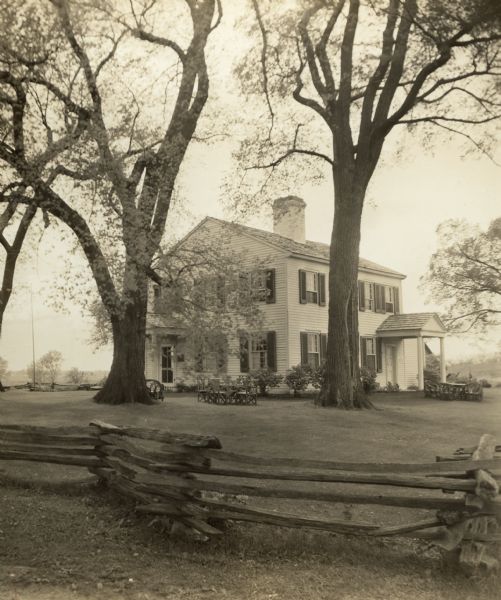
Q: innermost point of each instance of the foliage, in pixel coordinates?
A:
(50, 363)
(464, 275)
(485, 383)
(4, 367)
(357, 71)
(183, 387)
(432, 369)
(264, 379)
(368, 378)
(74, 375)
(89, 144)
(298, 378)
(318, 376)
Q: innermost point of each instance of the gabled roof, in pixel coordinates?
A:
(312, 250)
(412, 323)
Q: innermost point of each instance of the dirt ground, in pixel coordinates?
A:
(60, 539)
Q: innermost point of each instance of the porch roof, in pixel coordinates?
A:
(412, 325)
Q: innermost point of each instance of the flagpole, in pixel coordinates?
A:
(33, 336)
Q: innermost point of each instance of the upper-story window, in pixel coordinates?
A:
(260, 284)
(377, 297)
(311, 287)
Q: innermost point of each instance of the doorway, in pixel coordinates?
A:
(391, 363)
(167, 364)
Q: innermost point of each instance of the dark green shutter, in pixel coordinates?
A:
(323, 347)
(361, 295)
(244, 353)
(271, 350)
(363, 352)
(379, 355)
(321, 289)
(302, 286)
(396, 300)
(303, 340)
(270, 287)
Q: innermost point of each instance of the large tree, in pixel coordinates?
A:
(364, 69)
(98, 107)
(465, 275)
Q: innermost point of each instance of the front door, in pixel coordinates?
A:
(167, 364)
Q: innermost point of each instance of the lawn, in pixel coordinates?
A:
(59, 541)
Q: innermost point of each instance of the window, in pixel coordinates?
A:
(260, 284)
(167, 365)
(257, 351)
(313, 348)
(211, 354)
(369, 295)
(312, 288)
(258, 356)
(389, 298)
(370, 353)
(377, 297)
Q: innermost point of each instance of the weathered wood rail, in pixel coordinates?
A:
(189, 479)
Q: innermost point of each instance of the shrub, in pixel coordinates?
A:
(264, 379)
(317, 376)
(298, 378)
(181, 387)
(431, 376)
(412, 388)
(485, 383)
(368, 379)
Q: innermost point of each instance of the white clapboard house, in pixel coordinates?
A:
(294, 308)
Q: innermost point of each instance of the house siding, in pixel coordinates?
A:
(287, 317)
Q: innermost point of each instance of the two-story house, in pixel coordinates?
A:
(294, 309)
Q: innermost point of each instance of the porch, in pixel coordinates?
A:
(418, 326)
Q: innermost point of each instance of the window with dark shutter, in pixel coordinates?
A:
(321, 289)
(270, 287)
(244, 353)
(361, 295)
(368, 353)
(302, 286)
(271, 349)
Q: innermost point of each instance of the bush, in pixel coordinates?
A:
(431, 376)
(368, 379)
(264, 379)
(485, 383)
(298, 378)
(317, 376)
(412, 388)
(181, 387)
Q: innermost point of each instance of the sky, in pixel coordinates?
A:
(411, 193)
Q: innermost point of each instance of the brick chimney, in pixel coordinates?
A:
(288, 218)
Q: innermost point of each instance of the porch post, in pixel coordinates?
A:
(443, 372)
(420, 362)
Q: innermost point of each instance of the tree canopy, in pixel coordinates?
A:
(88, 141)
(465, 275)
(359, 70)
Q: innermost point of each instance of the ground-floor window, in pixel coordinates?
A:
(211, 354)
(313, 348)
(257, 351)
(370, 353)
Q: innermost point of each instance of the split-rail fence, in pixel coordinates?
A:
(191, 480)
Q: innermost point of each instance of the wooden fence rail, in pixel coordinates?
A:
(189, 479)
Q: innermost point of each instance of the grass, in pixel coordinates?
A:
(58, 541)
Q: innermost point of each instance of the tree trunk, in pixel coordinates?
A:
(342, 387)
(126, 381)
